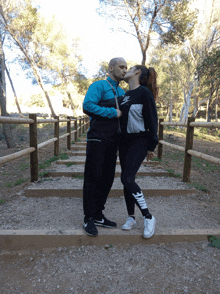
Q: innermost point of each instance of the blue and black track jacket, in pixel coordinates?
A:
(139, 116)
(99, 104)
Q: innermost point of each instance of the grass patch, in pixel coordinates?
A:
(2, 201)
(77, 177)
(199, 186)
(7, 185)
(68, 164)
(203, 164)
(48, 162)
(19, 182)
(24, 165)
(214, 241)
(173, 174)
(63, 156)
(156, 159)
(43, 173)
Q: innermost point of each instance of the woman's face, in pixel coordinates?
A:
(130, 74)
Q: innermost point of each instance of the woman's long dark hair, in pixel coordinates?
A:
(148, 79)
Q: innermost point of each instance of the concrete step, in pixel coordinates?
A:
(78, 147)
(78, 170)
(80, 159)
(57, 222)
(72, 187)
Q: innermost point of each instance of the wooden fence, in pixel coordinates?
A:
(80, 125)
(188, 149)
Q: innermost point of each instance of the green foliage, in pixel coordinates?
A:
(43, 173)
(2, 201)
(181, 21)
(214, 241)
(209, 69)
(173, 174)
(199, 186)
(63, 156)
(19, 182)
(8, 185)
(48, 162)
(36, 100)
(70, 164)
(77, 177)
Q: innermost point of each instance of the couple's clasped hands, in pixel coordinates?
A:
(119, 113)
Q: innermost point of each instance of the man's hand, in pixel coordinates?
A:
(150, 155)
(119, 113)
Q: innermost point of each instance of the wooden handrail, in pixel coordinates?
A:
(205, 124)
(12, 120)
(34, 147)
(204, 156)
(179, 124)
(191, 124)
(16, 155)
(177, 147)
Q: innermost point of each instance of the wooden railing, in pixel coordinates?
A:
(80, 125)
(188, 148)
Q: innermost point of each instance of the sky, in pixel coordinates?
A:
(97, 42)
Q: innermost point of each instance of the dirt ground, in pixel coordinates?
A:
(173, 268)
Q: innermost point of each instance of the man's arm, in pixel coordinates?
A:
(92, 98)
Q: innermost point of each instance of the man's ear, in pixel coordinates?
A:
(110, 68)
(138, 71)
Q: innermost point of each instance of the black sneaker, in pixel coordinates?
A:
(104, 222)
(90, 228)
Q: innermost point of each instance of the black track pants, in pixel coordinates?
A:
(98, 176)
(132, 153)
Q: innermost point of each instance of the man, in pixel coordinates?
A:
(102, 145)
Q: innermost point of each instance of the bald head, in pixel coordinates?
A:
(117, 68)
(115, 60)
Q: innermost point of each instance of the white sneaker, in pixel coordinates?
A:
(149, 227)
(130, 222)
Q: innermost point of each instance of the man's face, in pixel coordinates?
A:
(119, 70)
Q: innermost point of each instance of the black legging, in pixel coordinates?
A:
(132, 153)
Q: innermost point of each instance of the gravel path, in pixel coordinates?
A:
(54, 213)
(154, 269)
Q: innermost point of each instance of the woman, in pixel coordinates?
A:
(138, 140)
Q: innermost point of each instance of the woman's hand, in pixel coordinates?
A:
(150, 155)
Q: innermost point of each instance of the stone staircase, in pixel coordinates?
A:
(54, 214)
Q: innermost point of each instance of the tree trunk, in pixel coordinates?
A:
(6, 127)
(13, 89)
(71, 101)
(216, 105)
(208, 110)
(196, 106)
(41, 83)
(171, 111)
(35, 70)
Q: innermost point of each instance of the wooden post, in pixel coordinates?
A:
(69, 131)
(33, 143)
(160, 137)
(80, 127)
(56, 135)
(189, 145)
(75, 134)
